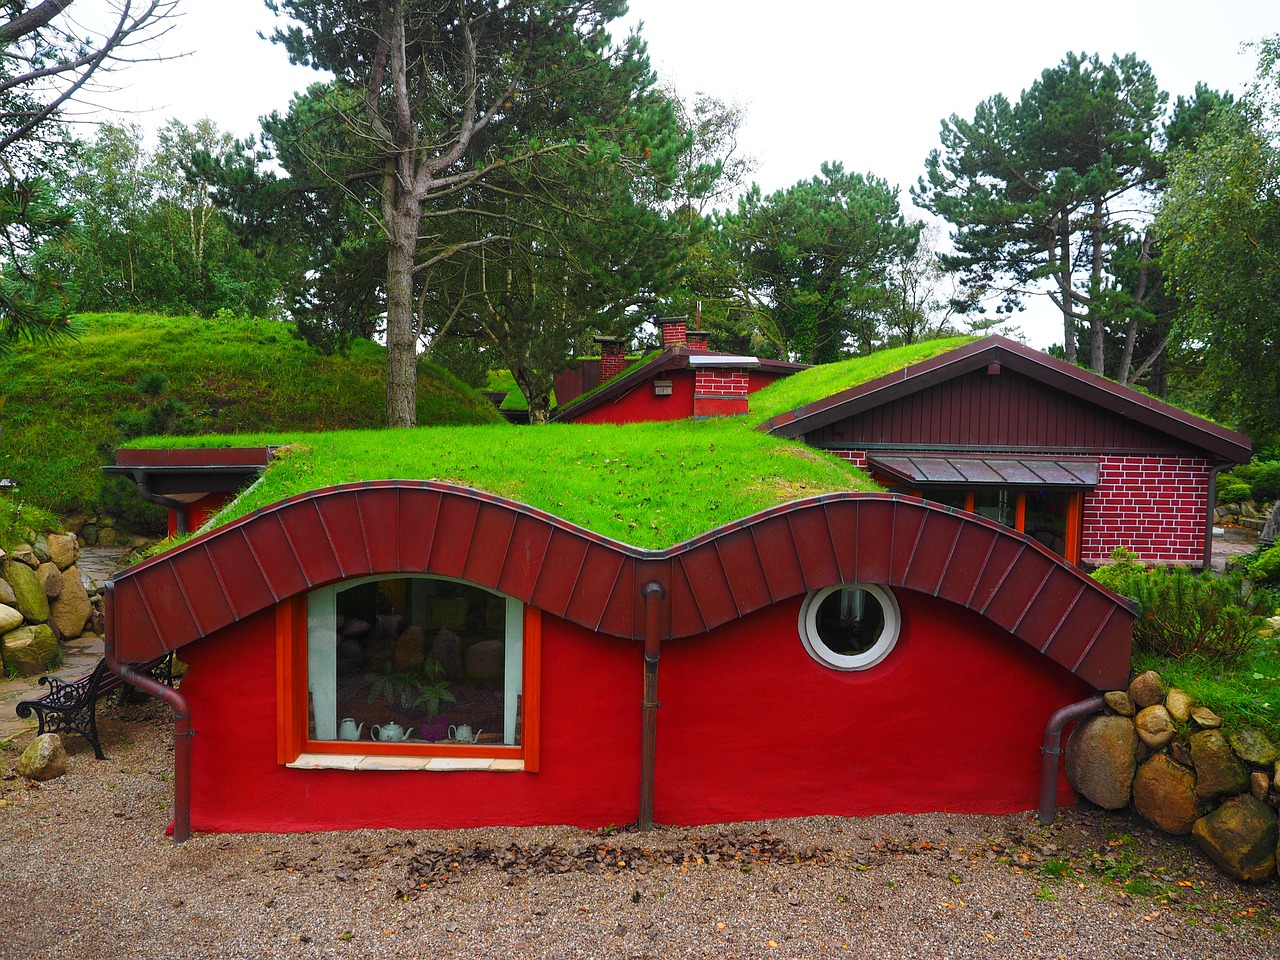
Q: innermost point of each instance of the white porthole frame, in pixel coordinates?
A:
(817, 649)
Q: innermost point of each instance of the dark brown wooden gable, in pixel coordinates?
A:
(991, 411)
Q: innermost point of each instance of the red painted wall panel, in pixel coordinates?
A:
(591, 692)
(750, 727)
(776, 734)
(640, 405)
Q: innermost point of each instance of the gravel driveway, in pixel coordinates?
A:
(86, 872)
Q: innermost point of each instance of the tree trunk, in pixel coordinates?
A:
(403, 216)
(1064, 288)
(1097, 317)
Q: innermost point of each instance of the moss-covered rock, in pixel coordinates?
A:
(28, 591)
(1240, 837)
(31, 650)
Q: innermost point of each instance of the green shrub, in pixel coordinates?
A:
(1187, 614)
(1234, 492)
(1265, 567)
(1266, 481)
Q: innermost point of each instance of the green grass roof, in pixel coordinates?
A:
(817, 383)
(651, 485)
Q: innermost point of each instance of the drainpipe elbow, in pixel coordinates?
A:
(1051, 752)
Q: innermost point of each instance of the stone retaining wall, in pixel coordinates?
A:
(1174, 763)
(43, 602)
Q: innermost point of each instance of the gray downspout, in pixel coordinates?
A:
(649, 717)
(181, 719)
(1208, 527)
(178, 507)
(1050, 752)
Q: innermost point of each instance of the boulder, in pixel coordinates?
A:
(31, 650)
(1260, 785)
(1147, 689)
(69, 613)
(1178, 703)
(64, 549)
(50, 578)
(1180, 751)
(1164, 792)
(1219, 771)
(1101, 760)
(1205, 719)
(1120, 702)
(1240, 837)
(1252, 746)
(41, 549)
(43, 759)
(24, 555)
(29, 595)
(10, 618)
(1155, 726)
(6, 592)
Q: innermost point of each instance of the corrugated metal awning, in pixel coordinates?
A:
(996, 471)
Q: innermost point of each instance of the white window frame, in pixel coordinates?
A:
(870, 657)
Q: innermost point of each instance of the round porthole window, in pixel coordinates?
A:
(851, 626)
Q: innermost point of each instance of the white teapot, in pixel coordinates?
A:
(390, 732)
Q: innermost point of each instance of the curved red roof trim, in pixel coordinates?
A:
(403, 526)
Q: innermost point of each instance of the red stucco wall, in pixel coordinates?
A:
(1154, 506)
(199, 511)
(639, 405)
(750, 727)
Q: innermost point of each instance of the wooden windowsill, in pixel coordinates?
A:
(355, 761)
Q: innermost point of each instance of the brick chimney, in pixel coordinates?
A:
(699, 340)
(613, 357)
(673, 331)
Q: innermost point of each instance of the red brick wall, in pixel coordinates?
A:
(673, 333)
(1154, 506)
(856, 457)
(719, 392)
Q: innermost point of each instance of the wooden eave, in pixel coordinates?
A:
(1220, 443)
(426, 527)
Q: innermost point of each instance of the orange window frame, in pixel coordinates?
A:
(1075, 519)
(292, 701)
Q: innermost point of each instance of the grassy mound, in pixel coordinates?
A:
(60, 404)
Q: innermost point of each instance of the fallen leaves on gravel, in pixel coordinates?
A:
(435, 866)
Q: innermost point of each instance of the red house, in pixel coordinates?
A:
(685, 380)
(1074, 460)
(844, 654)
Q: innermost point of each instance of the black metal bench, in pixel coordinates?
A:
(71, 706)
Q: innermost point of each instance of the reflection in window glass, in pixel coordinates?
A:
(1046, 518)
(414, 660)
(998, 505)
(951, 497)
(849, 621)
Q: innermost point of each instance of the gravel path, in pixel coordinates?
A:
(86, 872)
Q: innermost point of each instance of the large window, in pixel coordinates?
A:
(1050, 516)
(409, 666)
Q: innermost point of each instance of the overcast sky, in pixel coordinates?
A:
(863, 83)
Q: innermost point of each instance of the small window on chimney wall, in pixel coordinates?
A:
(662, 388)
